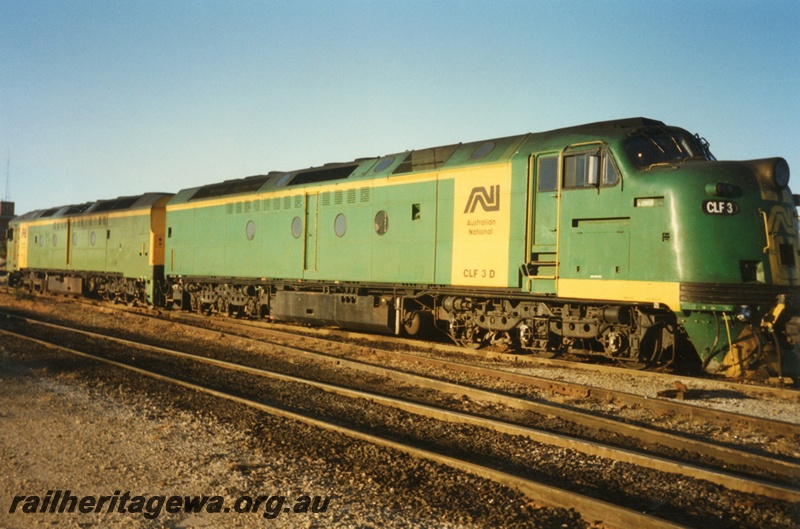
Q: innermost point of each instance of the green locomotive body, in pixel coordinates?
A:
(110, 248)
(623, 239)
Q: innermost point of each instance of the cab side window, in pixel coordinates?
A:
(589, 169)
(548, 173)
(610, 174)
(581, 170)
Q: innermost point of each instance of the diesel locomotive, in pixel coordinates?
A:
(111, 249)
(623, 239)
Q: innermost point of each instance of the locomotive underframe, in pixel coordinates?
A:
(106, 286)
(636, 335)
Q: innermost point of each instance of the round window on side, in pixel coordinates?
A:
(93, 238)
(340, 225)
(297, 227)
(381, 222)
(250, 230)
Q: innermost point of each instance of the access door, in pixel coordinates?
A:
(70, 242)
(311, 226)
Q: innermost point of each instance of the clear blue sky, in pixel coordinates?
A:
(102, 98)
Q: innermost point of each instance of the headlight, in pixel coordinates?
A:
(780, 173)
(772, 172)
(722, 190)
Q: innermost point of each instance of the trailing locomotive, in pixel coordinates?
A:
(112, 249)
(623, 239)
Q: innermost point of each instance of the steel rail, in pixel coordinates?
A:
(709, 415)
(729, 456)
(752, 390)
(733, 482)
(590, 508)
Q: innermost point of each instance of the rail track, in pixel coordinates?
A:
(151, 360)
(512, 370)
(777, 388)
(383, 351)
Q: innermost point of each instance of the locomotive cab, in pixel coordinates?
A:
(732, 233)
(655, 251)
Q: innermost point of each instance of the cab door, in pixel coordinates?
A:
(594, 241)
(541, 269)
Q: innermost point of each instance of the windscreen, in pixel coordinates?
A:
(660, 145)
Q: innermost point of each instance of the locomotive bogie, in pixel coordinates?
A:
(226, 298)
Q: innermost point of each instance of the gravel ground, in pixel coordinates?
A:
(71, 425)
(186, 338)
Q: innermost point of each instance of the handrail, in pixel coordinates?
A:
(769, 245)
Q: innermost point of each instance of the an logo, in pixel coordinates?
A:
(780, 221)
(489, 200)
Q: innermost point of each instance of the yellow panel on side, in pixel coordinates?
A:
(666, 293)
(481, 226)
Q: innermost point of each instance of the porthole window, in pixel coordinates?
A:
(250, 230)
(93, 238)
(55, 240)
(381, 222)
(75, 239)
(340, 225)
(483, 150)
(383, 164)
(297, 227)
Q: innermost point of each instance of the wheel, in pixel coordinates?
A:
(631, 363)
(194, 304)
(412, 323)
(544, 353)
(473, 337)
